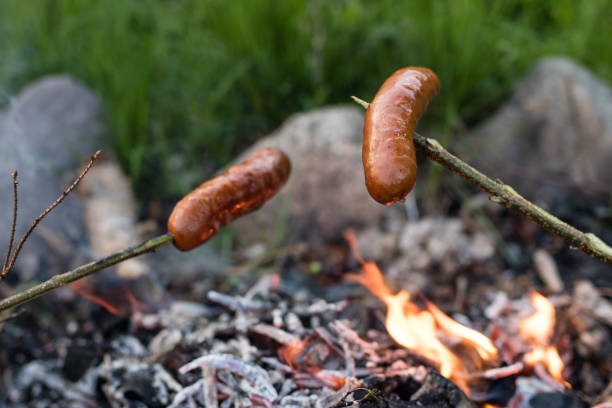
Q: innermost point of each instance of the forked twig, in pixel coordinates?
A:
(506, 196)
(48, 210)
(12, 236)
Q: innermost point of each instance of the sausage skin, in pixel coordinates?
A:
(388, 154)
(242, 189)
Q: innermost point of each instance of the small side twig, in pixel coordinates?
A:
(6, 318)
(369, 394)
(48, 210)
(65, 278)
(14, 224)
(506, 196)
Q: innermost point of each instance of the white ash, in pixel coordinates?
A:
(128, 346)
(589, 300)
(232, 351)
(46, 373)
(443, 241)
(165, 341)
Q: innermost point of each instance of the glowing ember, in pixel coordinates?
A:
(94, 298)
(418, 329)
(124, 304)
(296, 354)
(538, 329)
(290, 352)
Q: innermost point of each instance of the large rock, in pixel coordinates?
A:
(553, 137)
(326, 191)
(48, 132)
(50, 129)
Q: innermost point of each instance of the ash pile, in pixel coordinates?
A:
(279, 345)
(265, 348)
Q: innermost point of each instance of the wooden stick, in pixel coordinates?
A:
(58, 281)
(506, 196)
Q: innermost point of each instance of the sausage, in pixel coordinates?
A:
(242, 189)
(389, 160)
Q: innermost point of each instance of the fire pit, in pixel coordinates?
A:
(288, 341)
(313, 325)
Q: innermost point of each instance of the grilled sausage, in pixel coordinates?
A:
(242, 189)
(389, 159)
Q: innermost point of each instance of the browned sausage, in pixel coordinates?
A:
(389, 159)
(240, 190)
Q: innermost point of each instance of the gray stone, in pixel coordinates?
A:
(49, 130)
(553, 137)
(47, 133)
(111, 215)
(326, 191)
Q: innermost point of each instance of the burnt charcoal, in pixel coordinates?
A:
(438, 391)
(588, 377)
(108, 324)
(134, 383)
(435, 392)
(79, 358)
(367, 398)
(407, 388)
(24, 339)
(557, 400)
(500, 391)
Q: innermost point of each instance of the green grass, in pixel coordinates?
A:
(189, 83)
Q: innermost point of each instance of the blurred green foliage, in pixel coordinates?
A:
(191, 80)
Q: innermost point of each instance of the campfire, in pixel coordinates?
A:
(307, 334)
(429, 333)
(279, 345)
(417, 329)
(288, 341)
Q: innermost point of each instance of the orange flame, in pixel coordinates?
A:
(538, 328)
(418, 329)
(481, 343)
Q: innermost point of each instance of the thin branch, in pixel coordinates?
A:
(63, 279)
(13, 315)
(506, 196)
(12, 236)
(360, 101)
(49, 209)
